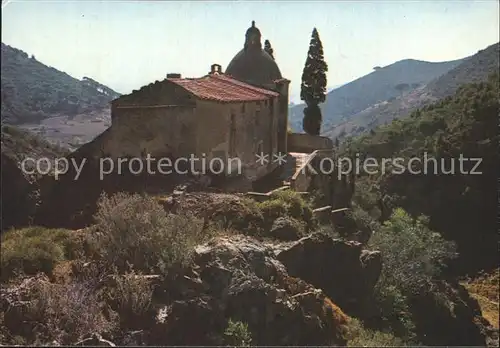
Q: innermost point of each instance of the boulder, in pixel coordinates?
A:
(448, 316)
(345, 271)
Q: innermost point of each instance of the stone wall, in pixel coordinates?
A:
(305, 143)
(158, 131)
(256, 127)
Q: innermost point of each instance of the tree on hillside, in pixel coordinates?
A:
(313, 86)
(402, 87)
(268, 48)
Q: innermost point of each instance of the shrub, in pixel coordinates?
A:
(295, 205)
(412, 256)
(242, 215)
(237, 334)
(362, 224)
(131, 297)
(66, 312)
(36, 249)
(272, 209)
(359, 336)
(412, 253)
(135, 231)
(287, 228)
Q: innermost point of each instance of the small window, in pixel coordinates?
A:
(257, 118)
(243, 107)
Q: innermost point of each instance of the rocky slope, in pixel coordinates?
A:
(246, 280)
(20, 194)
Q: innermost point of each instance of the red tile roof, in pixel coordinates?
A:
(220, 87)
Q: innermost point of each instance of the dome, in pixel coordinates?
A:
(254, 67)
(252, 64)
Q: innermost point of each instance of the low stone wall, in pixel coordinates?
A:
(303, 177)
(305, 143)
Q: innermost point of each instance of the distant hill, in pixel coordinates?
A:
(476, 69)
(32, 91)
(473, 69)
(376, 87)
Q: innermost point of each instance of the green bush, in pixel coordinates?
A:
(272, 209)
(412, 253)
(237, 334)
(36, 249)
(295, 205)
(242, 215)
(135, 231)
(412, 256)
(360, 336)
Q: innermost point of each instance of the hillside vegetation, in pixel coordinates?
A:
(32, 91)
(460, 204)
(19, 190)
(19, 144)
(474, 69)
(380, 85)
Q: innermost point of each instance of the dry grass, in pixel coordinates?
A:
(65, 313)
(485, 290)
(336, 314)
(131, 296)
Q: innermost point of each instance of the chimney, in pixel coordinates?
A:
(215, 69)
(173, 76)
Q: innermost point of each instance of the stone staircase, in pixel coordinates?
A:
(294, 161)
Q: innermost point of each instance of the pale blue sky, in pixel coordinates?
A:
(127, 44)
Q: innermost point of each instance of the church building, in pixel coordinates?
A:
(236, 113)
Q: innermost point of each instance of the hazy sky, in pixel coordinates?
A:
(127, 44)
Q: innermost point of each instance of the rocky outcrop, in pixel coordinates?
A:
(345, 271)
(449, 316)
(239, 278)
(287, 293)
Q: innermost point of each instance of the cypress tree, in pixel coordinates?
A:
(268, 48)
(313, 86)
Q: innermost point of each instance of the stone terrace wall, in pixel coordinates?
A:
(305, 143)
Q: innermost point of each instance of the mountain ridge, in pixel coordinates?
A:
(33, 91)
(475, 68)
(377, 86)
